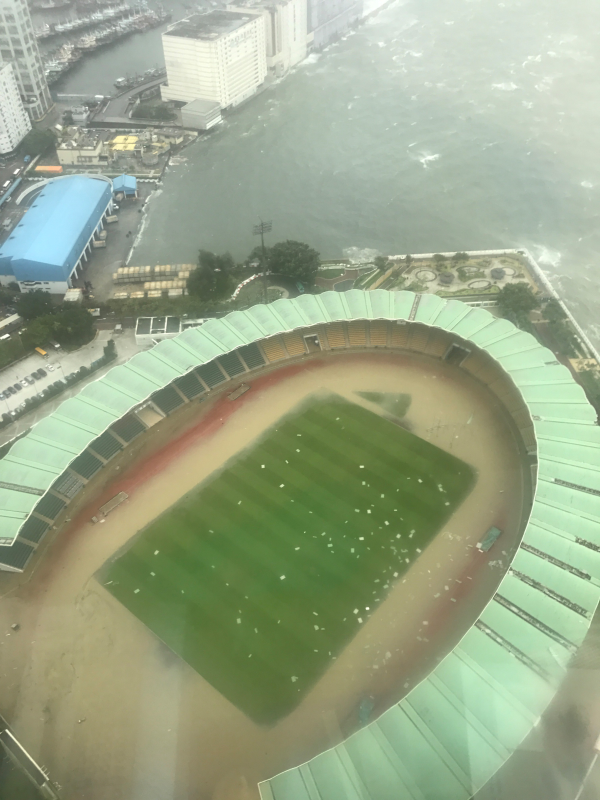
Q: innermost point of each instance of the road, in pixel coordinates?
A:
(115, 112)
(63, 363)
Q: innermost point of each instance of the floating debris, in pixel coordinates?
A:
(156, 552)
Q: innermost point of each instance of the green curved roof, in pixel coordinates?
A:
(456, 728)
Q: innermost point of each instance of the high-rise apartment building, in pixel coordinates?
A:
(330, 19)
(219, 56)
(14, 122)
(285, 31)
(19, 47)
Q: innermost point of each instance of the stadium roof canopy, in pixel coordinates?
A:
(48, 241)
(456, 727)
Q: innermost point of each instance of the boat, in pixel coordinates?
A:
(87, 42)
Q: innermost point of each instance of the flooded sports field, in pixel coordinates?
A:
(105, 689)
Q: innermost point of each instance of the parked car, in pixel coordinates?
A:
(24, 383)
(9, 391)
(29, 380)
(35, 375)
(42, 372)
(50, 368)
(18, 387)
(6, 418)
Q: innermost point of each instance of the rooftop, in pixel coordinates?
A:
(200, 106)
(56, 219)
(209, 26)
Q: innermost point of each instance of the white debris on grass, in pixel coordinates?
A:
(316, 627)
(135, 591)
(282, 577)
(262, 466)
(153, 574)
(156, 552)
(239, 621)
(296, 548)
(239, 502)
(281, 485)
(360, 620)
(294, 678)
(356, 610)
(361, 466)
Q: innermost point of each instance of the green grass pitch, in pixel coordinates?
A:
(261, 575)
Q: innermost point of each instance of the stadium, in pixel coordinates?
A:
(490, 429)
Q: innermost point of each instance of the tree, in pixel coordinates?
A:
(439, 259)
(37, 143)
(257, 255)
(295, 260)
(38, 332)
(71, 326)
(34, 304)
(212, 277)
(381, 262)
(516, 298)
(458, 257)
(553, 311)
(516, 301)
(408, 259)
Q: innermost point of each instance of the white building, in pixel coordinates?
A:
(19, 47)
(14, 122)
(219, 56)
(285, 31)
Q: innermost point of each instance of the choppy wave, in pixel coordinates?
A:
(505, 87)
(360, 255)
(427, 159)
(546, 256)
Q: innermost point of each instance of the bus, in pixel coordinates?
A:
(41, 352)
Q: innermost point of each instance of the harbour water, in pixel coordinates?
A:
(435, 126)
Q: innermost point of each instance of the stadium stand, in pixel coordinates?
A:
(274, 349)
(211, 375)
(493, 687)
(167, 399)
(294, 344)
(128, 427)
(232, 365)
(336, 335)
(190, 386)
(252, 356)
(106, 446)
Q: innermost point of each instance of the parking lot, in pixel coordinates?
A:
(62, 364)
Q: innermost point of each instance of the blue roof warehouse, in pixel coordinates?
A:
(47, 246)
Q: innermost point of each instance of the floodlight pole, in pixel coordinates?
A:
(260, 230)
